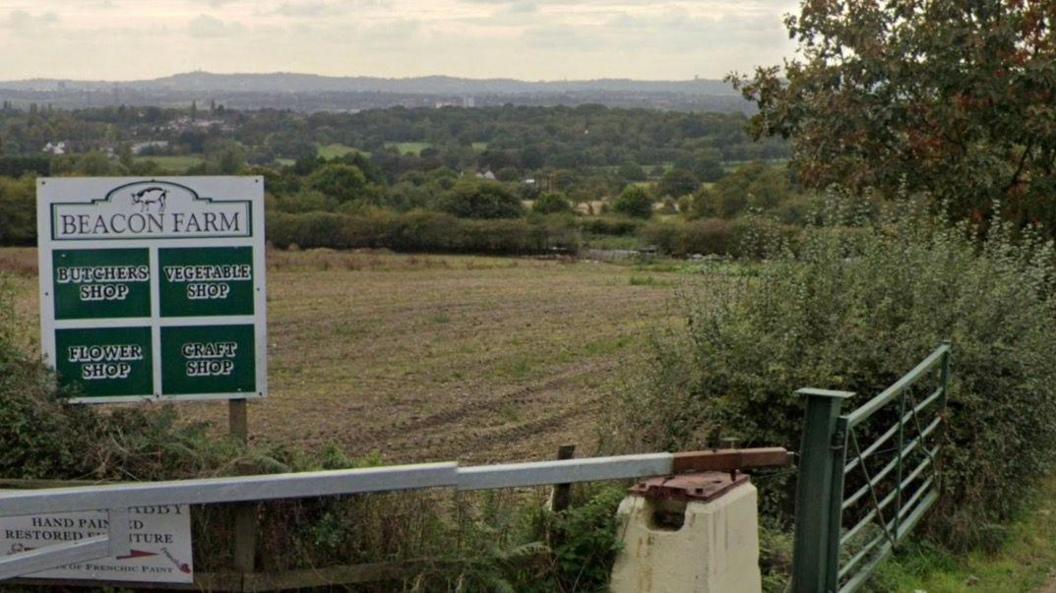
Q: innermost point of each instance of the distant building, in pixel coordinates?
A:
(141, 147)
(186, 123)
(486, 175)
(55, 148)
(469, 102)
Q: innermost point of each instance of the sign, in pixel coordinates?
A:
(153, 288)
(160, 538)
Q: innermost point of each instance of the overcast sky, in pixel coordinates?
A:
(526, 39)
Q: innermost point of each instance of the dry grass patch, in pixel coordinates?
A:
(426, 357)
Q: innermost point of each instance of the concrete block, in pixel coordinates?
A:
(689, 546)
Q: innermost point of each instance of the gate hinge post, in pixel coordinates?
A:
(814, 564)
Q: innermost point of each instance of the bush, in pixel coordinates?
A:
(481, 199)
(679, 239)
(341, 182)
(609, 225)
(18, 211)
(552, 203)
(631, 171)
(422, 231)
(855, 311)
(750, 237)
(707, 236)
(677, 183)
(634, 202)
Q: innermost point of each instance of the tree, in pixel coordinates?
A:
(339, 181)
(480, 199)
(755, 185)
(552, 203)
(93, 164)
(17, 211)
(705, 164)
(634, 201)
(953, 97)
(677, 183)
(124, 155)
(631, 171)
(224, 157)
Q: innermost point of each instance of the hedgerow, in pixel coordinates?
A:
(854, 308)
(423, 231)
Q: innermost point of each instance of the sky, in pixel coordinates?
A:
(525, 39)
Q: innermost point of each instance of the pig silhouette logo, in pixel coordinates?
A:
(149, 196)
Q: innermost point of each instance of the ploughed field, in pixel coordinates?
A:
(430, 357)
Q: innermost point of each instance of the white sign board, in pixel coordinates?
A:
(153, 288)
(160, 538)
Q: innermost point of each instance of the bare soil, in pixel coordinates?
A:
(419, 358)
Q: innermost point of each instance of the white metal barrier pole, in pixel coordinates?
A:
(24, 563)
(116, 499)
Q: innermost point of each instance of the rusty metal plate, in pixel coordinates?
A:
(700, 487)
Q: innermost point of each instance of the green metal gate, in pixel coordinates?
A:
(867, 477)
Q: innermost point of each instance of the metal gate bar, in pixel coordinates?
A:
(117, 498)
(829, 558)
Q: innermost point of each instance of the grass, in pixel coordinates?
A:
(1024, 563)
(174, 163)
(648, 281)
(592, 241)
(434, 357)
(409, 148)
(332, 151)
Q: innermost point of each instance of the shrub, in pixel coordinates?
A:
(18, 211)
(609, 225)
(481, 199)
(339, 181)
(855, 311)
(748, 237)
(422, 231)
(552, 203)
(707, 236)
(665, 235)
(758, 237)
(635, 202)
(677, 183)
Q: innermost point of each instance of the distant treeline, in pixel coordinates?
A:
(504, 180)
(523, 140)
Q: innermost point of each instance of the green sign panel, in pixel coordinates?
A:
(153, 287)
(112, 361)
(208, 359)
(206, 281)
(101, 283)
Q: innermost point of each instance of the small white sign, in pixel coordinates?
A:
(160, 538)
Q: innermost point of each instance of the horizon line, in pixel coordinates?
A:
(348, 76)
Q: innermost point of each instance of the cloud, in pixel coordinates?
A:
(204, 26)
(563, 38)
(530, 39)
(20, 20)
(307, 9)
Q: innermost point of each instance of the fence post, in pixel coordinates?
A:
(244, 544)
(814, 562)
(561, 497)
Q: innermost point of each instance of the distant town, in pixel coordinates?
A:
(305, 92)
